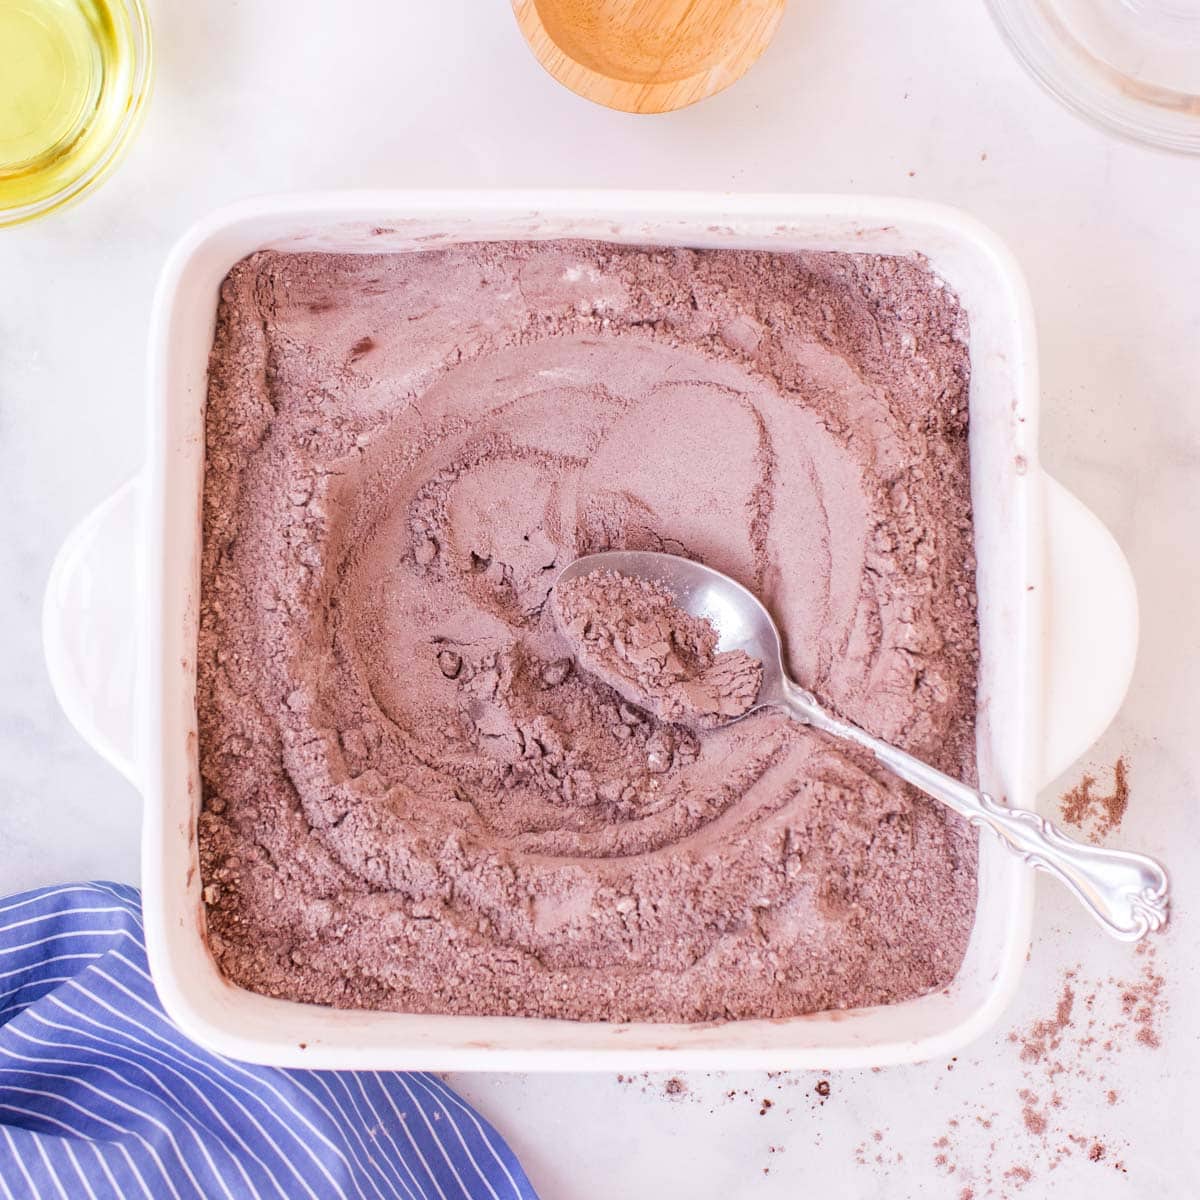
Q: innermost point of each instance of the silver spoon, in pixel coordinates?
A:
(1125, 892)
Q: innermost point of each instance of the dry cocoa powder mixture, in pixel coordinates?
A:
(413, 797)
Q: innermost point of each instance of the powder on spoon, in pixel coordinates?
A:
(631, 633)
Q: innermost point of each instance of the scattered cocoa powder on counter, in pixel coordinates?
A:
(1097, 814)
(1046, 1035)
(875, 1153)
(1018, 1175)
(1034, 1121)
(643, 1079)
(1066, 1057)
(1142, 1001)
(680, 1089)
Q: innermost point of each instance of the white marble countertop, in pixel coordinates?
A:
(914, 100)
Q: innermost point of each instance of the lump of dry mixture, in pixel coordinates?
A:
(412, 797)
(632, 634)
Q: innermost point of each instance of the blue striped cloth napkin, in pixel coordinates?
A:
(101, 1096)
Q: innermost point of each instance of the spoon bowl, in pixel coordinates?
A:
(738, 617)
(1127, 893)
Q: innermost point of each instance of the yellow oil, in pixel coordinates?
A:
(72, 76)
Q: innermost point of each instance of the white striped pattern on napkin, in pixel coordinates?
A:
(101, 1096)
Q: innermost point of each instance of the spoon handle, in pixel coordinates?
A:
(1127, 893)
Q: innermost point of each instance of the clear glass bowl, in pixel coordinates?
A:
(1130, 66)
(74, 79)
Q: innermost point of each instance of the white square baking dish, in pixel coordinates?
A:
(121, 617)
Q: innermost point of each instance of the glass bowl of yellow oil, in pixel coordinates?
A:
(74, 79)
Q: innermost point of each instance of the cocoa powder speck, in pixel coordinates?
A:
(1098, 813)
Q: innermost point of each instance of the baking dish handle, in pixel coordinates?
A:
(89, 626)
(1090, 632)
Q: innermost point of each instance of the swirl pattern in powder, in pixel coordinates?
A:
(413, 798)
